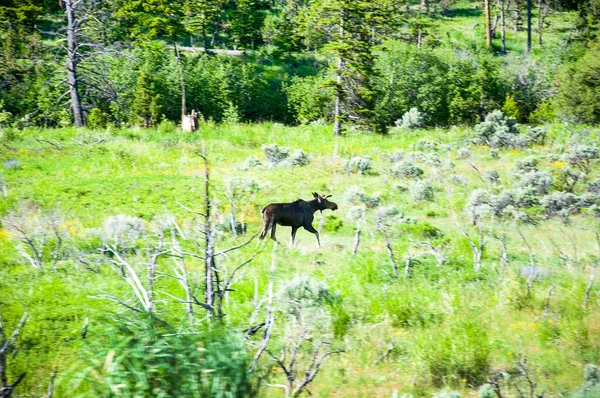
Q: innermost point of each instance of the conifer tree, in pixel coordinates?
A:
(145, 104)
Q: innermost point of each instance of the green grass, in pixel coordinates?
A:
(450, 325)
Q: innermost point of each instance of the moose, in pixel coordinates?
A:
(299, 213)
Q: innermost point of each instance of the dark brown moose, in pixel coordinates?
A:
(296, 214)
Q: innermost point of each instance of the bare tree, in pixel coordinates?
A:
(7, 389)
(31, 229)
(296, 380)
(477, 245)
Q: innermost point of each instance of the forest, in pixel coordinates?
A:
(457, 255)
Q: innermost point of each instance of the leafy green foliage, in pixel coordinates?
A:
(147, 359)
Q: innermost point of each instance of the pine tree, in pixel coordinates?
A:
(354, 27)
(145, 105)
(247, 23)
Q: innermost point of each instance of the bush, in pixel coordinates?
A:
(460, 352)
(594, 186)
(332, 223)
(150, 360)
(487, 391)
(304, 292)
(580, 156)
(411, 119)
(491, 176)
(357, 195)
(426, 145)
(498, 131)
(541, 181)
(308, 98)
(422, 191)
(525, 198)
(298, 159)
(12, 164)
(530, 163)
(464, 153)
(536, 135)
(275, 154)
(357, 164)
(250, 163)
(561, 203)
(406, 169)
(95, 119)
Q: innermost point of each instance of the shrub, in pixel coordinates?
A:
(96, 119)
(580, 156)
(12, 164)
(357, 195)
(411, 119)
(426, 145)
(487, 391)
(309, 99)
(275, 154)
(122, 230)
(166, 127)
(304, 292)
(298, 159)
(500, 203)
(562, 203)
(422, 191)
(396, 156)
(458, 179)
(150, 360)
(356, 213)
(491, 176)
(332, 223)
(536, 135)
(250, 163)
(530, 163)
(498, 130)
(231, 115)
(464, 153)
(460, 352)
(406, 169)
(357, 164)
(594, 186)
(541, 181)
(510, 107)
(526, 198)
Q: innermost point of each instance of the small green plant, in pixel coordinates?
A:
(332, 223)
(95, 119)
(231, 114)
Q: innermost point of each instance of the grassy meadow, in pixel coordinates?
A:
(433, 327)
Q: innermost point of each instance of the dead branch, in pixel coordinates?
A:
(7, 389)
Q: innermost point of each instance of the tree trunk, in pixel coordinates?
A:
(488, 28)
(209, 246)
(337, 114)
(503, 26)
(528, 27)
(183, 109)
(72, 64)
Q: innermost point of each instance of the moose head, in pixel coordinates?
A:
(323, 203)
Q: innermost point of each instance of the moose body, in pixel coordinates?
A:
(296, 214)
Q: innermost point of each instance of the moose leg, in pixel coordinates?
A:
(310, 228)
(294, 229)
(273, 228)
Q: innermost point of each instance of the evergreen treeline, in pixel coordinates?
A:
(366, 63)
